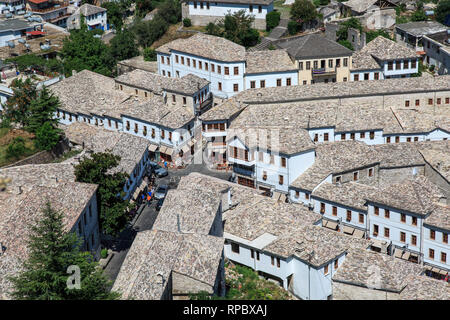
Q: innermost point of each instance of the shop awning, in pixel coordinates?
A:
(348, 230)
(436, 270)
(377, 243)
(191, 143)
(330, 224)
(358, 233)
(443, 272)
(152, 148)
(223, 150)
(163, 149)
(169, 151)
(398, 253)
(276, 195)
(428, 268)
(136, 193)
(283, 197)
(185, 149)
(406, 255)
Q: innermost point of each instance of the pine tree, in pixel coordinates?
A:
(51, 252)
(42, 110)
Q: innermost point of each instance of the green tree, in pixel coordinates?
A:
(143, 7)
(16, 148)
(149, 54)
(81, 50)
(17, 107)
(272, 20)
(293, 27)
(47, 136)
(346, 44)
(123, 45)
(236, 27)
(442, 12)
(42, 110)
(170, 11)
(419, 15)
(354, 23)
(51, 252)
(148, 32)
(115, 14)
(213, 29)
(97, 169)
(303, 11)
(187, 22)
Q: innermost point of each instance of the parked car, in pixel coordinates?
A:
(161, 192)
(157, 170)
(159, 204)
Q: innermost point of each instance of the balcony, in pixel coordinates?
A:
(52, 7)
(245, 172)
(317, 72)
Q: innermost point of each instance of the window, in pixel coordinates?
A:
(206, 63)
(413, 240)
(300, 65)
(207, 5)
(447, 100)
(402, 236)
(322, 207)
(432, 234)
(174, 99)
(252, 253)
(200, 65)
(388, 140)
(251, 8)
(387, 213)
(444, 237)
(235, 87)
(188, 61)
(220, 86)
(361, 218)
(213, 67)
(145, 130)
(280, 179)
(325, 269)
(375, 230)
(236, 71)
(264, 175)
(417, 102)
(272, 260)
(352, 136)
(336, 264)
(195, 5)
(416, 138)
(431, 253)
(438, 101)
(338, 179)
(262, 83)
(413, 64)
(366, 76)
(170, 136)
(252, 84)
(288, 81)
(259, 9)
(163, 133)
(356, 77)
(325, 137)
(272, 159)
(338, 62)
(345, 62)
(390, 65)
(176, 58)
(278, 82)
(408, 139)
(201, 5)
(407, 103)
(355, 176)
(403, 217)
(376, 76)
(128, 125)
(184, 100)
(430, 101)
(308, 65)
(235, 247)
(345, 79)
(342, 136)
(386, 232)
(227, 70)
(153, 132)
(297, 194)
(219, 69)
(334, 211)
(306, 196)
(316, 64)
(349, 215)
(370, 172)
(283, 162)
(397, 139)
(362, 135)
(398, 65)
(316, 137)
(278, 262)
(443, 257)
(194, 63)
(330, 63)
(304, 82)
(376, 210)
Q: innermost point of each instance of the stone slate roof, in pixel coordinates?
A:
(350, 194)
(290, 229)
(364, 61)
(188, 85)
(20, 211)
(92, 93)
(207, 46)
(313, 46)
(365, 117)
(334, 158)
(386, 49)
(247, 2)
(129, 147)
(422, 119)
(361, 268)
(437, 154)
(396, 155)
(139, 63)
(417, 195)
(359, 5)
(267, 61)
(155, 254)
(343, 89)
(16, 24)
(420, 28)
(425, 288)
(89, 9)
(286, 139)
(223, 111)
(440, 217)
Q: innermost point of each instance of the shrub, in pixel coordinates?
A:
(293, 27)
(16, 148)
(47, 137)
(149, 54)
(431, 68)
(272, 20)
(346, 44)
(187, 22)
(104, 253)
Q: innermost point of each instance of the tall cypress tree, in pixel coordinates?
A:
(51, 252)
(42, 110)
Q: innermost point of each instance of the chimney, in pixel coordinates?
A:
(18, 190)
(178, 223)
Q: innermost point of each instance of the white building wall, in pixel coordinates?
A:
(321, 133)
(370, 72)
(395, 73)
(378, 136)
(437, 245)
(271, 79)
(217, 9)
(341, 213)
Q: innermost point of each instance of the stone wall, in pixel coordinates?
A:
(394, 175)
(438, 179)
(198, 20)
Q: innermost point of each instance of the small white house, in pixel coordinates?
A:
(94, 17)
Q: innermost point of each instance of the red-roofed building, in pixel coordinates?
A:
(52, 11)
